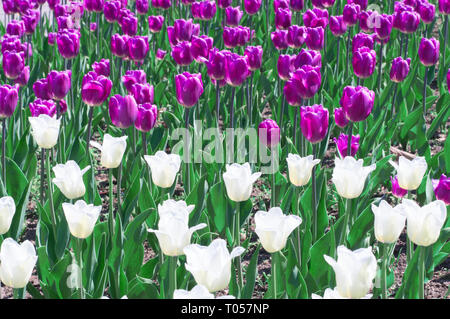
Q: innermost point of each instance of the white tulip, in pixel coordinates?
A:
(300, 168)
(334, 294)
(424, 223)
(211, 265)
(198, 292)
(273, 228)
(164, 168)
(81, 217)
(354, 271)
(69, 179)
(349, 176)
(7, 211)
(45, 130)
(389, 222)
(410, 173)
(239, 181)
(16, 262)
(112, 150)
(173, 230)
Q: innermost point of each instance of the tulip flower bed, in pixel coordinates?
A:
(232, 149)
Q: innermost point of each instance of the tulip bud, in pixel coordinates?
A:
(337, 25)
(364, 62)
(160, 54)
(102, 67)
(397, 191)
(13, 64)
(7, 211)
(123, 110)
(211, 265)
(216, 64)
(357, 102)
(308, 57)
(340, 118)
(389, 222)
(279, 39)
(306, 81)
(51, 38)
(410, 172)
(354, 271)
(200, 47)
(351, 13)
(236, 69)
(314, 122)
(296, 36)
(132, 77)
(239, 181)
(315, 38)
(142, 6)
(269, 133)
(254, 57)
(300, 168)
(59, 83)
(189, 87)
(81, 218)
(399, 69)
(9, 95)
(315, 18)
(155, 23)
(232, 16)
(111, 10)
(285, 66)
(423, 223)
(16, 262)
(143, 93)
(146, 118)
(252, 6)
(69, 179)
(429, 51)
(383, 25)
(444, 6)
(198, 292)
(361, 40)
(164, 168)
(283, 19)
(112, 150)
(273, 228)
(342, 145)
(45, 130)
(296, 5)
(349, 176)
(95, 89)
(441, 189)
(68, 41)
(129, 25)
(185, 29)
(173, 231)
(119, 45)
(138, 48)
(23, 78)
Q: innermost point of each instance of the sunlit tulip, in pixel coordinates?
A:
(111, 10)
(132, 77)
(315, 38)
(173, 230)
(45, 130)
(285, 66)
(9, 96)
(399, 69)
(424, 223)
(232, 16)
(361, 40)
(69, 179)
(95, 89)
(279, 39)
(59, 83)
(300, 168)
(315, 18)
(342, 145)
(23, 78)
(350, 14)
(160, 54)
(339, 117)
(182, 54)
(68, 41)
(252, 6)
(389, 222)
(273, 228)
(429, 51)
(337, 25)
(142, 6)
(119, 45)
(13, 64)
(239, 181)
(16, 262)
(143, 93)
(364, 61)
(146, 118)
(308, 57)
(410, 172)
(283, 19)
(254, 57)
(102, 67)
(314, 122)
(129, 24)
(189, 88)
(198, 292)
(441, 188)
(7, 211)
(211, 265)
(366, 21)
(236, 69)
(155, 23)
(164, 168)
(200, 47)
(81, 218)
(296, 36)
(357, 102)
(112, 150)
(383, 25)
(349, 176)
(15, 28)
(354, 271)
(405, 19)
(122, 110)
(444, 6)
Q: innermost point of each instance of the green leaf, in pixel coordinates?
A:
(250, 275)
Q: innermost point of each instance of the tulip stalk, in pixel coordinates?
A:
(406, 45)
(145, 151)
(173, 260)
(19, 293)
(187, 182)
(422, 251)
(379, 67)
(275, 262)
(314, 195)
(4, 150)
(347, 214)
(50, 195)
(79, 244)
(394, 98)
(424, 92)
(385, 257)
(237, 220)
(338, 53)
(348, 50)
(111, 205)
(349, 139)
(42, 176)
(233, 93)
(445, 42)
(297, 211)
(88, 137)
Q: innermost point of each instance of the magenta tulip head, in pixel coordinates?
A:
(162, 4)
(254, 57)
(102, 67)
(233, 16)
(200, 47)
(252, 6)
(362, 40)
(24, 76)
(444, 6)
(129, 25)
(111, 10)
(362, 3)
(142, 6)
(216, 64)
(308, 57)
(296, 5)
(236, 69)
(143, 93)
(68, 41)
(181, 53)
(269, 133)
(9, 96)
(337, 25)
(13, 64)
(93, 5)
(304, 84)
(223, 4)
(38, 107)
(364, 62)
(155, 23)
(405, 18)
(284, 4)
(160, 54)
(396, 190)
(59, 83)
(185, 29)
(426, 11)
(441, 189)
(366, 21)
(315, 18)
(342, 145)
(123, 110)
(314, 122)
(230, 37)
(399, 69)
(296, 36)
(285, 66)
(119, 45)
(315, 38)
(322, 4)
(146, 117)
(429, 51)
(351, 13)
(283, 19)
(357, 102)
(279, 39)
(339, 117)
(383, 25)
(15, 27)
(132, 77)
(208, 10)
(188, 87)
(41, 89)
(95, 89)
(138, 48)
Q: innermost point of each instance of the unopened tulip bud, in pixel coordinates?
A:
(410, 172)
(7, 211)
(239, 181)
(16, 262)
(389, 222)
(164, 168)
(69, 179)
(81, 218)
(300, 168)
(45, 130)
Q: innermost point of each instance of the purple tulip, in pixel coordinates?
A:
(285, 66)
(13, 64)
(361, 40)
(196, 10)
(269, 133)
(155, 23)
(39, 107)
(31, 20)
(342, 145)
(146, 117)
(283, 4)
(362, 3)
(283, 19)
(216, 64)
(59, 83)
(351, 13)
(181, 53)
(9, 95)
(366, 21)
(223, 4)
(185, 29)
(200, 47)
(322, 4)
(102, 67)
(119, 45)
(441, 189)
(304, 84)
(138, 48)
(357, 102)
(111, 10)
(399, 69)
(406, 19)
(315, 38)
(296, 36)
(142, 6)
(93, 26)
(51, 38)
(68, 43)
(252, 6)
(308, 57)
(95, 89)
(340, 118)
(160, 54)
(429, 51)
(314, 122)
(143, 93)
(236, 69)
(41, 89)
(315, 18)
(364, 62)
(296, 5)
(232, 16)
(23, 78)
(189, 87)
(11, 43)
(337, 25)
(123, 110)
(15, 27)
(132, 77)
(426, 11)
(254, 57)
(244, 35)
(444, 6)
(279, 39)
(93, 5)
(207, 10)
(230, 37)
(129, 25)
(397, 191)
(162, 4)
(383, 25)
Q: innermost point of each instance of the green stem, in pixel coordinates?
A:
(19, 293)
(42, 175)
(237, 239)
(145, 151)
(297, 211)
(274, 195)
(187, 182)
(80, 261)
(4, 151)
(379, 67)
(385, 255)
(424, 92)
(349, 140)
(347, 215)
(111, 205)
(349, 35)
(173, 260)
(409, 243)
(314, 196)
(274, 274)
(88, 137)
(421, 272)
(50, 194)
